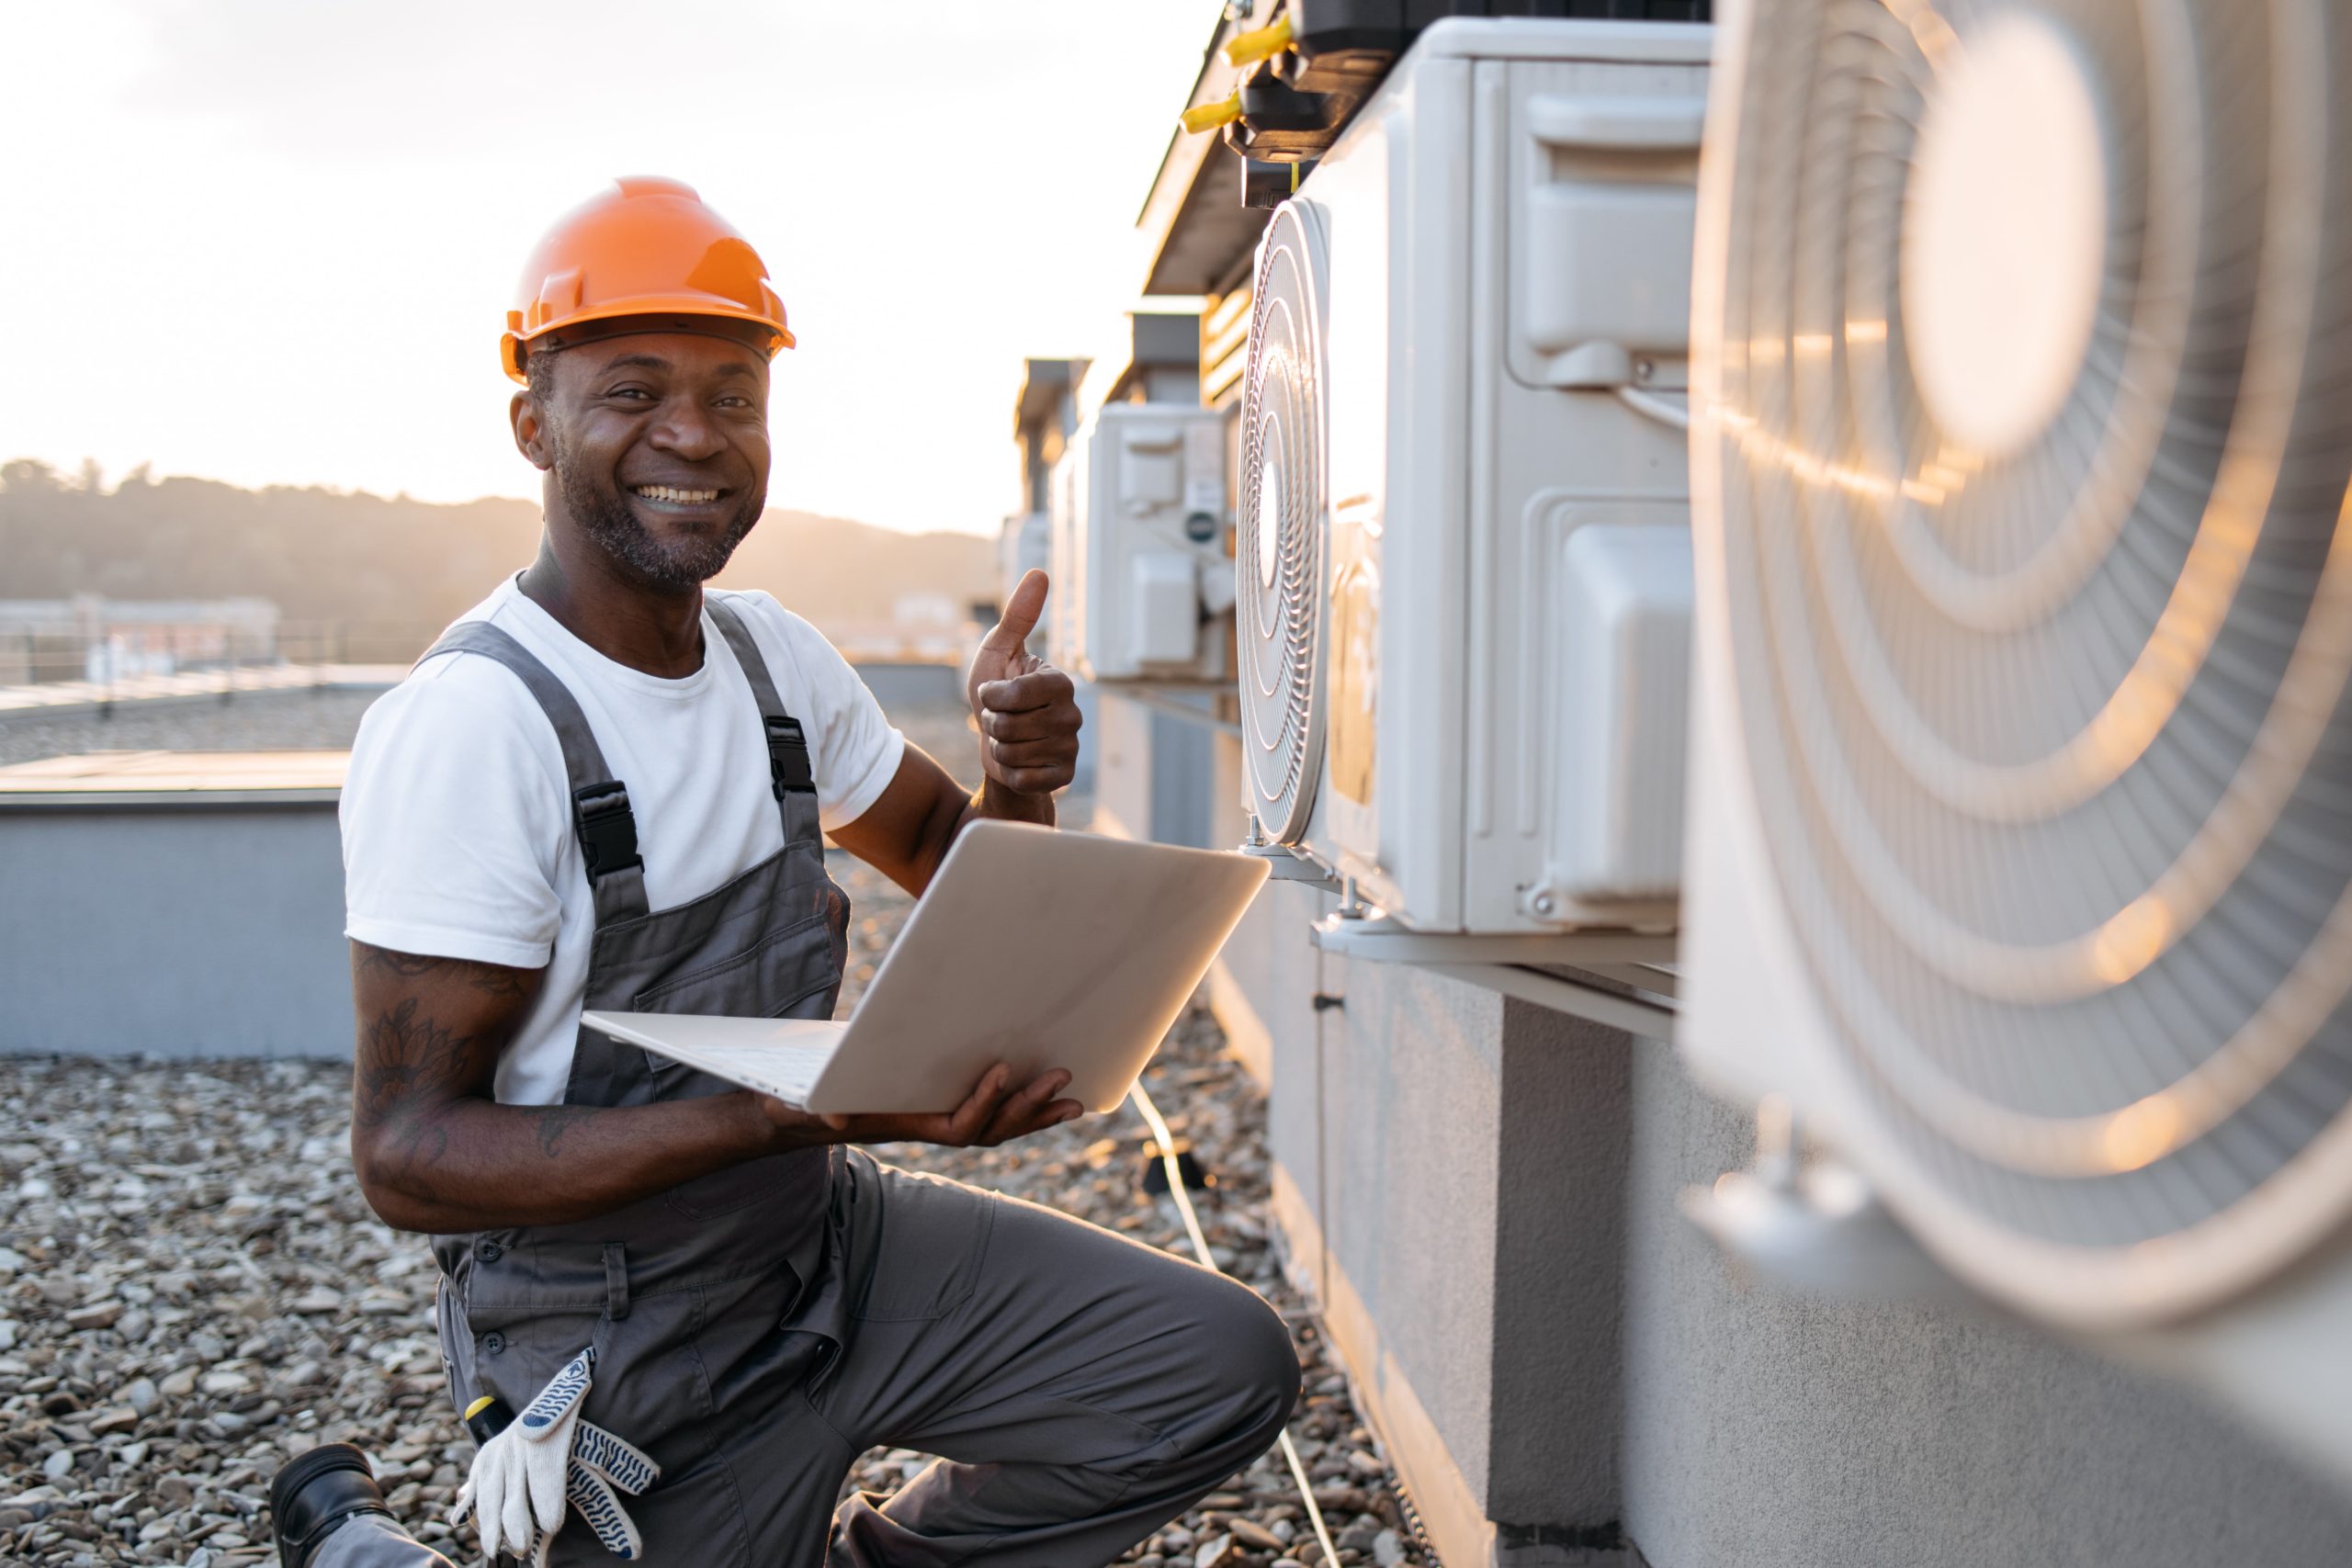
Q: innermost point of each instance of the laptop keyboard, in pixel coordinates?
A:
(788, 1072)
(795, 1069)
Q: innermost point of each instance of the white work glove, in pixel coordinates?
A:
(523, 1476)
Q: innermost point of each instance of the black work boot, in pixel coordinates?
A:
(314, 1494)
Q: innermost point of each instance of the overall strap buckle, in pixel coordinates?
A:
(606, 826)
(789, 768)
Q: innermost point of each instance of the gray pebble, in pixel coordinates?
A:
(1257, 1537)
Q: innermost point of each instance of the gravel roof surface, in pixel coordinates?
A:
(192, 1289)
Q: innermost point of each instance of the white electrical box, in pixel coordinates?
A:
(1141, 541)
(1464, 573)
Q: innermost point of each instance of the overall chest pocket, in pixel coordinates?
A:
(782, 971)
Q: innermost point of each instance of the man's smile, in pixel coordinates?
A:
(677, 498)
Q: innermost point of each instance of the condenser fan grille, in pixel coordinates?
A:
(2032, 460)
(1279, 553)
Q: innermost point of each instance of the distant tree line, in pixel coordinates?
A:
(325, 555)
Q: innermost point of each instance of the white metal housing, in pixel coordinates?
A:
(1463, 574)
(2022, 826)
(1139, 548)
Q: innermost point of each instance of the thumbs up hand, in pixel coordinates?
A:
(1027, 710)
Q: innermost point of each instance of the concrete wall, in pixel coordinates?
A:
(1566, 1137)
(1450, 1173)
(1481, 1193)
(1120, 738)
(1279, 977)
(1152, 771)
(173, 930)
(187, 929)
(1772, 1431)
(1482, 1197)
(1412, 1078)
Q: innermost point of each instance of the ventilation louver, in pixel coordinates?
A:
(2030, 381)
(1280, 551)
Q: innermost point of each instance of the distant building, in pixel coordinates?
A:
(1045, 414)
(88, 638)
(926, 612)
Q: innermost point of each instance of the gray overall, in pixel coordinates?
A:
(759, 1327)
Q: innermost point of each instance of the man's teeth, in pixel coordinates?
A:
(671, 492)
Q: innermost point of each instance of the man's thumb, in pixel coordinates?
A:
(1020, 616)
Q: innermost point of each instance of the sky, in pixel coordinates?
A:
(273, 242)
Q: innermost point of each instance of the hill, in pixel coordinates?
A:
(323, 555)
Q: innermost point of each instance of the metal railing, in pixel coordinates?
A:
(108, 662)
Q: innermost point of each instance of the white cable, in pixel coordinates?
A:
(1150, 1114)
(1167, 1141)
(1649, 405)
(1307, 1496)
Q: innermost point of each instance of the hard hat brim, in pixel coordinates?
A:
(647, 313)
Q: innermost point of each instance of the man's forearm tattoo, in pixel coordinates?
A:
(409, 1066)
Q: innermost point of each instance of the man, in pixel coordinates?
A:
(604, 787)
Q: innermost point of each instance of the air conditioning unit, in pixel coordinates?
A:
(1464, 564)
(2021, 832)
(1140, 531)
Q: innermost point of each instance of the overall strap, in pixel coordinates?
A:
(600, 810)
(790, 773)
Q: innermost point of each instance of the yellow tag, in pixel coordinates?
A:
(1261, 43)
(1208, 116)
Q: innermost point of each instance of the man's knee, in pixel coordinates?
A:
(1249, 1357)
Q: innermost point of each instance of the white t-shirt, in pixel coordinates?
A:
(457, 836)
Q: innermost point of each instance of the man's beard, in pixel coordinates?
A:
(670, 566)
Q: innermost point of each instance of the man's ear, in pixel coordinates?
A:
(531, 430)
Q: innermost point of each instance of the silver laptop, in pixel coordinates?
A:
(1038, 948)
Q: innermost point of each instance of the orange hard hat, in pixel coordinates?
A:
(645, 247)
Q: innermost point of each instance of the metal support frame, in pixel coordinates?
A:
(1634, 1015)
(1640, 960)
(1285, 865)
(1381, 938)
